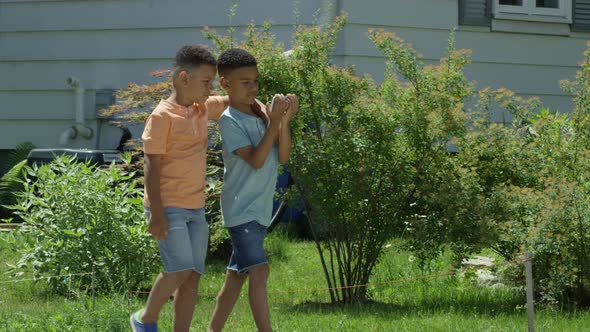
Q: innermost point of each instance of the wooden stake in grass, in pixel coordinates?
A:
(528, 269)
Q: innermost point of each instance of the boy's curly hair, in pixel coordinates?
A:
(192, 56)
(234, 58)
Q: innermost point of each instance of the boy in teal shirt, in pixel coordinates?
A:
(254, 143)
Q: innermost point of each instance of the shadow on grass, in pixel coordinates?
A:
(481, 304)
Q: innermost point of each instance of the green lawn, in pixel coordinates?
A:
(442, 304)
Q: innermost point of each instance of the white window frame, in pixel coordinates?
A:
(512, 9)
(529, 12)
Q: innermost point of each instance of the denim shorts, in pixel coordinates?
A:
(185, 245)
(247, 242)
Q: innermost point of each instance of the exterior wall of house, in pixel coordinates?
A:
(529, 64)
(107, 44)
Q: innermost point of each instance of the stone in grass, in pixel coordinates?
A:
(483, 264)
(479, 262)
(486, 278)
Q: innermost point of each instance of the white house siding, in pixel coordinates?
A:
(108, 44)
(529, 64)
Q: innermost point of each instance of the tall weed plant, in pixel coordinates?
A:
(82, 219)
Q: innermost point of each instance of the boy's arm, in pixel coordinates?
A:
(255, 156)
(158, 224)
(285, 132)
(284, 143)
(217, 104)
(155, 137)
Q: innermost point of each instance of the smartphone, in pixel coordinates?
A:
(272, 103)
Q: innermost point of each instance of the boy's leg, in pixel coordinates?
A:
(163, 288)
(258, 297)
(178, 261)
(186, 295)
(184, 302)
(248, 253)
(227, 298)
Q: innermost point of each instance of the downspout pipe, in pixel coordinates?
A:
(79, 127)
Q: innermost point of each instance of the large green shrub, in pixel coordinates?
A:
(79, 218)
(348, 162)
(534, 180)
(560, 239)
(345, 159)
(371, 162)
(429, 101)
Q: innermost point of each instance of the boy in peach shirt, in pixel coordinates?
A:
(175, 146)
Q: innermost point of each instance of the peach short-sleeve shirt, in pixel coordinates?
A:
(179, 135)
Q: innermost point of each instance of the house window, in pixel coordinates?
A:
(547, 4)
(512, 6)
(511, 2)
(534, 10)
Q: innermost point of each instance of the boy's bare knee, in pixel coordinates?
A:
(194, 276)
(262, 268)
(260, 271)
(193, 279)
(179, 277)
(234, 281)
(231, 274)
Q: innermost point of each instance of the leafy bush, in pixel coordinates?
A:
(219, 243)
(561, 237)
(348, 162)
(371, 162)
(20, 153)
(534, 180)
(428, 101)
(78, 218)
(10, 183)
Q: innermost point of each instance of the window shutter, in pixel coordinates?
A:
(581, 15)
(476, 12)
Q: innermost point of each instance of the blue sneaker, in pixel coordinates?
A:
(137, 326)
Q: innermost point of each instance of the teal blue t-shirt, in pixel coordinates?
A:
(247, 193)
